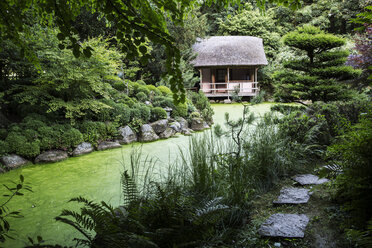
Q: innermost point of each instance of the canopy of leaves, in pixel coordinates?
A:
(134, 21)
(317, 76)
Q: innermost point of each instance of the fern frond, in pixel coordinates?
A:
(129, 188)
(76, 226)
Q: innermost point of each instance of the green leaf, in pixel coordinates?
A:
(21, 178)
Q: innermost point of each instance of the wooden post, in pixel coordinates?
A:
(214, 80)
(228, 83)
(201, 79)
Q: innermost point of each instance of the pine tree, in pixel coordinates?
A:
(320, 74)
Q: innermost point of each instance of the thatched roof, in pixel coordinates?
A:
(229, 51)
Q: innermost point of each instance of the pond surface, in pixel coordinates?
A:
(95, 176)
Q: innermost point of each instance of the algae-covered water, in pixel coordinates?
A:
(95, 176)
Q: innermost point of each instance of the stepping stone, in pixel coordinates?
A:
(306, 179)
(284, 225)
(293, 196)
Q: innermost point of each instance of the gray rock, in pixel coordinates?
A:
(147, 102)
(159, 126)
(227, 101)
(51, 156)
(13, 161)
(108, 145)
(147, 133)
(306, 179)
(197, 124)
(169, 132)
(83, 148)
(176, 126)
(205, 125)
(184, 124)
(186, 131)
(127, 135)
(293, 196)
(284, 225)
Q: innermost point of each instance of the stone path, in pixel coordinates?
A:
(308, 179)
(293, 196)
(291, 225)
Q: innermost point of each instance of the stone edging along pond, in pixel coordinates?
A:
(161, 129)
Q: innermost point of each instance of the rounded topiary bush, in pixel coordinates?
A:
(3, 133)
(141, 96)
(195, 115)
(158, 113)
(180, 110)
(120, 86)
(154, 89)
(31, 134)
(165, 90)
(18, 144)
(48, 138)
(4, 147)
(141, 111)
(29, 149)
(15, 141)
(162, 101)
(71, 138)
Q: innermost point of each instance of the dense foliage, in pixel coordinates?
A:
(317, 76)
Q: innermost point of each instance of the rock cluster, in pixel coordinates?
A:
(161, 129)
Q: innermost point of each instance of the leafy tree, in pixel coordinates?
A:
(250, 21)
(68, 87)
(135, 20)
(318, 74)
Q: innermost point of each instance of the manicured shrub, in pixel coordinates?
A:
(162, 101)
(165, 90)
(140, 111)
(195, 115)
(180, 110)
(144, 89)
(30, 134)
(202, 103)
(30, 123)
(18, 144)
(15, 141)
(71, 138)
(158, 113)
(120, 86)
(4, 147)
(49, 138)
(14, 127)
(155, 91)
(29, 149)
(142, 97)
(3, 133)
(128, 101)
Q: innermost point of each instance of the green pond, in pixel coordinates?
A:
(95, 176)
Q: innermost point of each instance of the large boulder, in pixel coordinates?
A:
(197, 124)
(51, 156)
(147, 133)
(184, 124)
(169, 132)
(108, 145)
(83, 148)
(176, 126)
(13, 161)
(159, 126)
(127, 135)
(205, 125)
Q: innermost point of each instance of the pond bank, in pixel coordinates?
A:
(95, 176)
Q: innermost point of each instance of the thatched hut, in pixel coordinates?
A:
(229, 63)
